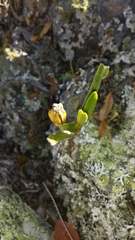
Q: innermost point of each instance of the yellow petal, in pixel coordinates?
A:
(51, 114)
(57, 114)
(57, 119)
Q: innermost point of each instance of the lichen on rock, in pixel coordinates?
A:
(96, 176)
(18, 221)
(96, 179)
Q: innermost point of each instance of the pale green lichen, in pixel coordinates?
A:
(18, 221)
(126, 43)
(128, 13)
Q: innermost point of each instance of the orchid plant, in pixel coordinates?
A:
(58, 114)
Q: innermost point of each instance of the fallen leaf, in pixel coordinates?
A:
(111, 31)
(35, 38)
(102, 127)
(113, 9)
(33, 95)
(44, 30)
(22, 160)
(106, 107)
(95, 115)
(60, 232)
(53, 86)
(114, 116)
(27, 20)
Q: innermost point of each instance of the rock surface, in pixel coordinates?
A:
(96, 176)
(96, 179)
(18, 220)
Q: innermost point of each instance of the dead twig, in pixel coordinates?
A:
(58, 211)
(14, 13)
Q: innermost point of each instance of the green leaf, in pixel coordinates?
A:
(72, 127)
(82, 117)
(101, 73)
(58, 137)
(67, 131)
(90, 104)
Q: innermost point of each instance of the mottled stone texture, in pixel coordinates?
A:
(96, 176)
(96, 179)
(18, 221)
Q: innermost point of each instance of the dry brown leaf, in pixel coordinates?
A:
(108, 103)
(33, 95)
(45, 28)
(27, 20)
(111, 31)
(35, 38)
(114, 116)
(53, 86)
(102, 127)
(95, 115)
(113, 9)
(22, 160)
(61, 234)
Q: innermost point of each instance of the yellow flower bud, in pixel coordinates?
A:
(57, 114)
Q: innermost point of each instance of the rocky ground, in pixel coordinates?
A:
(49, 53)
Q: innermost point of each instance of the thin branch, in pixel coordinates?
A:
(58, 211)
(14, 13)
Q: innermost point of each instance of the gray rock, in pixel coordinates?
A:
(18, 220)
